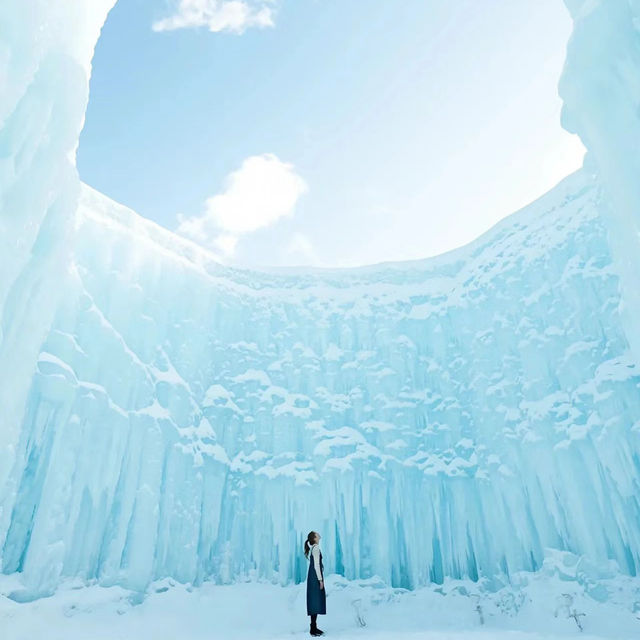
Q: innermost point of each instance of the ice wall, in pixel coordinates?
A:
(45, 53)
(164, 415)
(600, 86)
(446, 417)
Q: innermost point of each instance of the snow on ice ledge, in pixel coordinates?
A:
(441, 419)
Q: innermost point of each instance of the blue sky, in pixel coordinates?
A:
(328, 132)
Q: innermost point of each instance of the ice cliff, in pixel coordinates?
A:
(168, 416)
(600, 87)
(45, 54)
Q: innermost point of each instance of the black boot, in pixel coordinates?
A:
(313, 629)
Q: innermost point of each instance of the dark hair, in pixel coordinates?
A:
(311, 539)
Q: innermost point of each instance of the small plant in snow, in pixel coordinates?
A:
(565, 605)
(509, 603)
(479, 608)
(357, 605)
(576, 616)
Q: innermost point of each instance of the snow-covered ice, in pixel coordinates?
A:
(464, 420)
(547, 605)
(600, 88)
(191, 420)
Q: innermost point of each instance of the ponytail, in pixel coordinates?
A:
(308, 542)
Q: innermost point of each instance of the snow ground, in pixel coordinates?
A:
(172, 611)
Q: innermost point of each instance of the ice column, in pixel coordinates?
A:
(600, 87)
(45, 56)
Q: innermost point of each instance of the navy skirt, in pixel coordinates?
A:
(316, 597)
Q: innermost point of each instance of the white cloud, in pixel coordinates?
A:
(261, 192)
(218, 15)
(226, 243)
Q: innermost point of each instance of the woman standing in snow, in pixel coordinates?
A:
(316, 595)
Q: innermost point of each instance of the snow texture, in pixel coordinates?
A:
(567, 598)
(167, 416)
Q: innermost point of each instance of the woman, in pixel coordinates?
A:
(316, 595)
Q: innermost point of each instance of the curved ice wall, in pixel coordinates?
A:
(600, 87)
(446, 417)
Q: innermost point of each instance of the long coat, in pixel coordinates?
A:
(316, 597)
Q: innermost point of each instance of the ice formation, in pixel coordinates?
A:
(168, 416)
(600, 87)
(45, 52)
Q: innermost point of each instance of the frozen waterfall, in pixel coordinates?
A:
(164, 415)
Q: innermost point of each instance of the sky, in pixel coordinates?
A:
(330, 133)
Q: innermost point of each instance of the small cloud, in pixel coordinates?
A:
(261, 192)
(218, 15)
